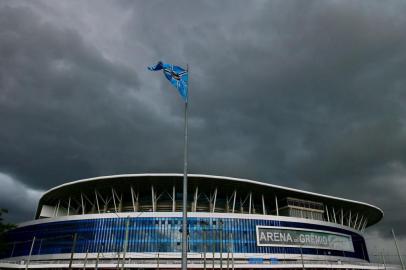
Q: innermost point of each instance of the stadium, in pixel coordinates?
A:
(134, 222)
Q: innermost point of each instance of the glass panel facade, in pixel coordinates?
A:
(162, 235)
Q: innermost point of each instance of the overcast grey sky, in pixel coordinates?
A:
(305, 94)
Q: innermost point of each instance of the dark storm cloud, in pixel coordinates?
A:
(64, 107)
(309, 94)
(305, 94)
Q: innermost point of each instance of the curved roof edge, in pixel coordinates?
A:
(242, 180)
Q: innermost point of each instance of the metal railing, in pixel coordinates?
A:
(198, 261)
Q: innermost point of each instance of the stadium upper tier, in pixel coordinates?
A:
(212, 194)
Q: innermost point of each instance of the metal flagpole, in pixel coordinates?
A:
(184, 204)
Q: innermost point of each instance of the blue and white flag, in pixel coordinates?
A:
(176, 75)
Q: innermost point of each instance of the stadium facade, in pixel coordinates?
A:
(134, 221)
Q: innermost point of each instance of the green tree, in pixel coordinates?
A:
(4, 227)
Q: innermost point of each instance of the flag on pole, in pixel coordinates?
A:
(176, 75)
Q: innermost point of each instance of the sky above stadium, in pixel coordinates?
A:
(305, 94)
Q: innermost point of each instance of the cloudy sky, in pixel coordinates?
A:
(306, 94)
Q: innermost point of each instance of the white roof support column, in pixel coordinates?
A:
(250, 203)
(56, 212)
(349, 220)
(263, 205)
(120, 203)
(173, 199)
(114, 200)
(195, 197)
(355, 222)
(342, 216)
(334, 215)
(119, 198)
(360, 223)
(215, 199)
(328, 216)
(132, 198)
(83, 204)
(90, 202)
(276, 205)
(69, 205)
(364, 225)
(101, 197)
(228, 200)
(97, 201)
(153, 197)
(235, 197)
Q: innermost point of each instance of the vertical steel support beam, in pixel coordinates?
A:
(69, 205)
(97, 201)
(328, 216)
(83, 204)
(349, 220)
(153, 199)
(98, 195)
(195, 199)
(249, 203)
(132, 198)
(276, 205)
(214, 200)
(173, 199)
(360, 223)
(334, 215)
(364, 224)
(120, 203)
(355, 222)
(342, 216)
(114, 200)
(235, 196)
(263, 205)
(227, 206)
(57, 208)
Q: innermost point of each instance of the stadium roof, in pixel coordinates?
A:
(373, 213)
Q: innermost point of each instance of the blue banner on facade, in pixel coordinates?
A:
(255, 260)
(274, 261)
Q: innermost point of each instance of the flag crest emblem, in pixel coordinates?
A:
(176, 75)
